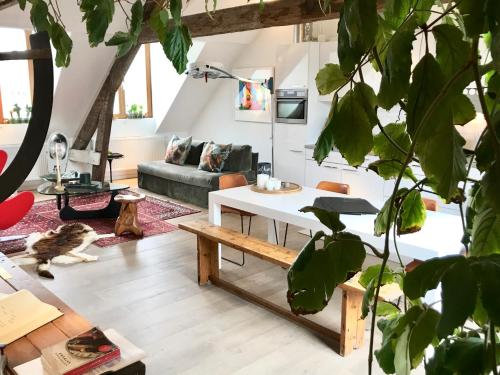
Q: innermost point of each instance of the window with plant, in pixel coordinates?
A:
(463, 333)
(15, 79)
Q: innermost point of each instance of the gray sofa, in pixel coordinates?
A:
(188, 183)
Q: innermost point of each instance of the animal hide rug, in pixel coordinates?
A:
(65, 245)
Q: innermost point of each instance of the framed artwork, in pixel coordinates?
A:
(252, 101)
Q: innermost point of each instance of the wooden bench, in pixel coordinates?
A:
(209, 236)
(27, 348)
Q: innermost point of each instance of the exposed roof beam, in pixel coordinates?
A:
(250, 17)
(7, 3)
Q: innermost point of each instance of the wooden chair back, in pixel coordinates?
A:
(334, 187)
(430, 204)
(232, 180)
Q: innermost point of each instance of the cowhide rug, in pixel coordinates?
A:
(65, 245)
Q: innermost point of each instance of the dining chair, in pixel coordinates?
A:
(229, 181)
(334, 187)
(430, 205)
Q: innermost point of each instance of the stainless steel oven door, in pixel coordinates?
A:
(291, 110)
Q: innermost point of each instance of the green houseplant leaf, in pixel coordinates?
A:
(383, 148)
(412, 214)
(324, 143)
(357, 30)
(329, 219)
(486, 233)
(97, 15)
(329, 79)
(354, 117)
(317, 272)
(389, 169)
(176, 46)
(422, 335)
(397, 69)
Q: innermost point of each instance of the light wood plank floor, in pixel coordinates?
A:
(148, 291)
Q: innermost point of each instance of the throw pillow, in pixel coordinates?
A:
(195, 152)
(213, 157)
(178, 150)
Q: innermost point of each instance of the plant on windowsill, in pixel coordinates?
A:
(135, 112)
(464, 332)
(17, 119)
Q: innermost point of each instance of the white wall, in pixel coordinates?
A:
(216, 121)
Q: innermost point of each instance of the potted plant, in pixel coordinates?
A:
(463, 334)
(135, 111)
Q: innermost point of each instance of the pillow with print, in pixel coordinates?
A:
(178, 150)
(213, 157)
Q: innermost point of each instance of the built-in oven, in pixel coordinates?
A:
(291, 106)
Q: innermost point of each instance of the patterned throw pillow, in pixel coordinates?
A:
(178, 150)
(213, 157)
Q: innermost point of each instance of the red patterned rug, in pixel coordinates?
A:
(44, 216)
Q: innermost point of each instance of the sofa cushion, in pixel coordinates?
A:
(213, 157)
(178, 150)
(187, 174)
(195, 153)
(239, 159)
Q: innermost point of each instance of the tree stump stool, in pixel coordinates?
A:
(128, 221)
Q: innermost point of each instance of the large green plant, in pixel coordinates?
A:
(464, 332)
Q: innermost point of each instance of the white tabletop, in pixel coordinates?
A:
(441, 234)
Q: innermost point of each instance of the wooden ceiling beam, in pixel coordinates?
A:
(4, 4)
(250, 17)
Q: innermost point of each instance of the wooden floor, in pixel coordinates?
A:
(147, 290)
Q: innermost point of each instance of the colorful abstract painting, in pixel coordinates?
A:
(252, 100)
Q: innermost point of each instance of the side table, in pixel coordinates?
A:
(113, 156)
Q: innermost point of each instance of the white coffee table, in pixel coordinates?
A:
(440, 236)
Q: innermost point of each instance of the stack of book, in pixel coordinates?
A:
(92, 353)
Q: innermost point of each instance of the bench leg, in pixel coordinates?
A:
(352, 326)
(208, 260)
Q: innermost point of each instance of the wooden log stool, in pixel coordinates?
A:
(128, 221)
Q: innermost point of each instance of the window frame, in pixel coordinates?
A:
(31, 73)
(122, 114)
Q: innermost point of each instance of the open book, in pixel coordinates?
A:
(22, 313)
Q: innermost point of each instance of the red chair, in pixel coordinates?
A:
(13, 209)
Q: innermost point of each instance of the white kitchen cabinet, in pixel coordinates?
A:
(324, 172)
(292, 66)
(289, 152)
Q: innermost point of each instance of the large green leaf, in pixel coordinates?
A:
(137, 12)
(176, 11)
(395, 12)
(473, 15)
(39, 14)
(485, 154)
(176, 46)
(328, 218)
(324, 144)
(486, 233)
(452, 53)
(386, 309)
(97, 15)
(422, 334)
(367, 298)
(459, 294)
(397, 69)
(491, 185)
(423, 10)
(62, 44)
(487, 270)
(372, 273)
(402, 363)
(329, 79)
(385, 149)
(389, 169)
(412, 214)
(159, 22)
(357, 30)
(427, 82)
(427, 276)
(383, 216)
(384, 35)
(317, 272)
(443, 160)
(351, 121)
(463, 110)
(495, 49)
(463, 356)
